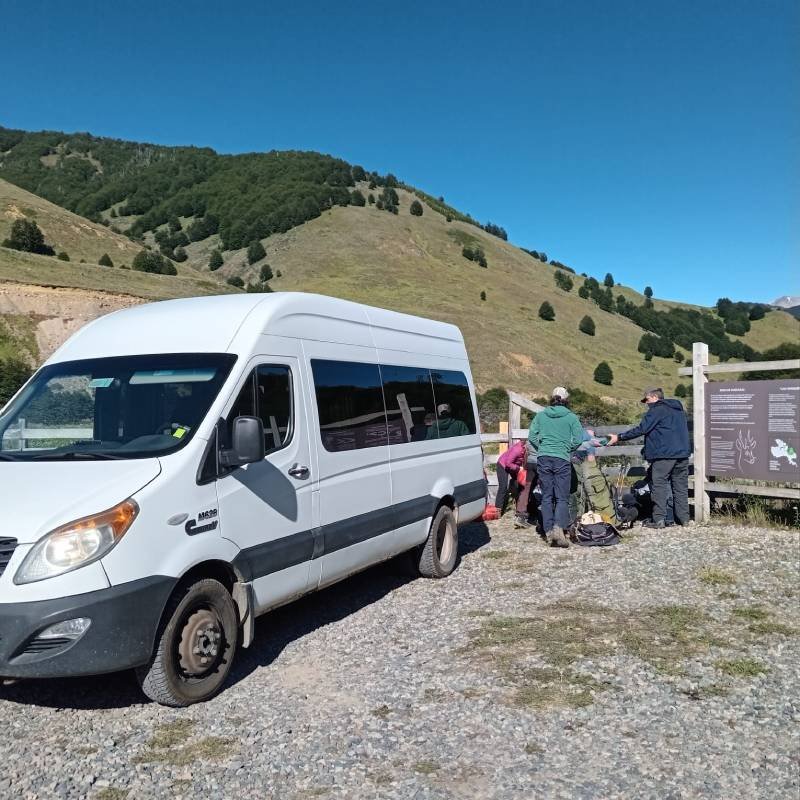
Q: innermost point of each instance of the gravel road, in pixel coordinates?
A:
(665, 667)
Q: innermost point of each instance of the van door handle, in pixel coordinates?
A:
(298, 471)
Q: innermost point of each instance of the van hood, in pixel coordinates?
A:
(36, 497)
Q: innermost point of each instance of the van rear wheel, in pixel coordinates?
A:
(437, 557)
(195, 647)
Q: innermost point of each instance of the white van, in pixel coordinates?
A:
(178, 468)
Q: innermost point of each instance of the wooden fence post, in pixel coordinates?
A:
(514, 420)
(702, 505)
(503, 428)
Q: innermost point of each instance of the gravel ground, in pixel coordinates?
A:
(665, 667)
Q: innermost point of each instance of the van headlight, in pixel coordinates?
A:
(76, 544)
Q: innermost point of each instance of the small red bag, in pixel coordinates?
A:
(490, 513)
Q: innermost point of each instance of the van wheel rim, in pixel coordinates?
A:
(444, 542)
(201, 643)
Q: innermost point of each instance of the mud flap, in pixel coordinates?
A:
(245, 602)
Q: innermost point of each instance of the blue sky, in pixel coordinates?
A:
(660, 141)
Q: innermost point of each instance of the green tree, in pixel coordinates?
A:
(603, 374)
(266, 273)
(63, 256)
(27, 237)
(255, 252)
(278, 274)
(678, 357)
(681, 391)
(358, 173)
(483, 295)
(586, 326)
(371, 199)
(648, 292)
(357, 199)
(737, 326)
(547, 312)
(416, 208)
(235, 281)
(608, 280)
(13, 373)
(215, 261)
(758, 312)
(105, 260)
(174, 224)
(584, 292)
(179, 255)
(563, 281)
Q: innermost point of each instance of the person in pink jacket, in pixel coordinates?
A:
(508, 467)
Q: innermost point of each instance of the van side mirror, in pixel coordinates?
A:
(247, 443)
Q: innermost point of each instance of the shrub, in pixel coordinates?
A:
(416, 208)
(681, 391)
(63, 256)
(105, 260)
(266, 273)
(584, 292)
(586, 326)
(656, 345)
(358, 173)
(603, 374)
(27, 237)
(757, 312)
(154, 263)
(648, 292)
(174, 224)
(371, 199)
(179, 255)
(255, 252)
(609, 280)
(215, 261)
(483, 295)
(678, 357)
(475, 254)
(278, 274)
(547, 312)
(357, 198)
(235, 281)
(563, 281)
(448, 218)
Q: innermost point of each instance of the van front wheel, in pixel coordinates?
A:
(195, 646)
(437, 557)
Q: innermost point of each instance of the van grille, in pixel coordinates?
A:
(7, 548)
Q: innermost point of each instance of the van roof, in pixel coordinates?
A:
(230, 323)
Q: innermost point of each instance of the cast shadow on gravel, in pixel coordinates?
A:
(274, 631)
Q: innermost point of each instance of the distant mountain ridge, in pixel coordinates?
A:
(789, 303)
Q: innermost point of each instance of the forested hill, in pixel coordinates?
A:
(205, 222)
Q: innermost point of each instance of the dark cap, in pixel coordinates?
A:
(652, 390)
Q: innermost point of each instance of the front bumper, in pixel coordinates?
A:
(122, 633)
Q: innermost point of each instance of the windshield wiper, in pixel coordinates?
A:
(71, 455)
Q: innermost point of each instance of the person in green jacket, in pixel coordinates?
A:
(555, 434)
(446, 425)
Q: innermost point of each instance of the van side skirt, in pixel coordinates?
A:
(289, 551)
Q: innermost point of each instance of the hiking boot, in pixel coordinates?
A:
(556, 538)
(521, 522)
(653, 524)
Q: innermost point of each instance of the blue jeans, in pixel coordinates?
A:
(554, 475)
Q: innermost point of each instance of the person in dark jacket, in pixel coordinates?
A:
(666, 447)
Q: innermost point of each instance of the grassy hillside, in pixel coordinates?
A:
(27, 268)
(63, 230)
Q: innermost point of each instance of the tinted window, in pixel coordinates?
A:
(267, 393)
(350, 405)
(454, 412)
(410, 407)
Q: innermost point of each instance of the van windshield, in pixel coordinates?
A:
(123, 407)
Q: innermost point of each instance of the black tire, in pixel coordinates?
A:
(437, 557)
(195, 645)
